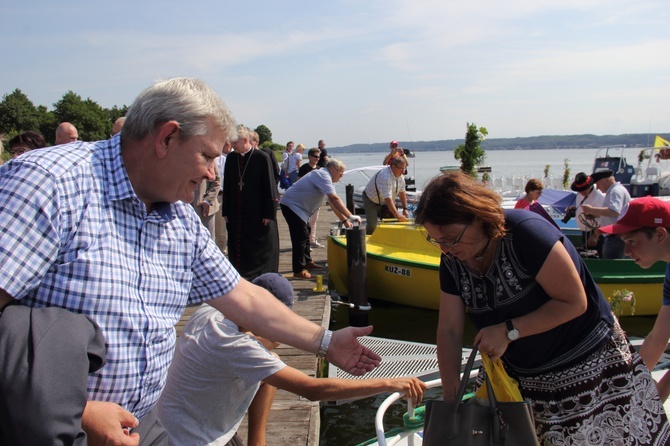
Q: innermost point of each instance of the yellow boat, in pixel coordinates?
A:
(403, 268)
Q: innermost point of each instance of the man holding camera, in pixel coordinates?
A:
(395, 152)
(584, 185)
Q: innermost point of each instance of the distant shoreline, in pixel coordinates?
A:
(569, 142)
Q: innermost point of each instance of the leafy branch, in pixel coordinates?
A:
(618, 300)
(566, 173)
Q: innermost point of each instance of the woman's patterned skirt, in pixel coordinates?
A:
(609, 398)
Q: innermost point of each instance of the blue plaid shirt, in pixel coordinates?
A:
(74, 234)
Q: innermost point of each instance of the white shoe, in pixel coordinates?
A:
(316, 245)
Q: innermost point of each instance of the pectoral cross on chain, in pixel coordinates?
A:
(240, 171)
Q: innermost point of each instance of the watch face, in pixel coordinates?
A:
(513, 335)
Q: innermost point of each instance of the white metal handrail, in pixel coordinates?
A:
(379, 417)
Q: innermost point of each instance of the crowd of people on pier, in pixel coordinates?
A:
(101, 251)
(104, 244)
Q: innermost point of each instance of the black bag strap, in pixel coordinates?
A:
(497, 424)
(376, 188)
(466, 374)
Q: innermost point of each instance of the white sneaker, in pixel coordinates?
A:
(316, 245)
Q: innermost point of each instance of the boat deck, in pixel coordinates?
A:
(400, 358)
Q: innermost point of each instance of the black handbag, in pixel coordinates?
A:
(459, 423)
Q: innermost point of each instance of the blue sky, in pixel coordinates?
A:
(361, 71)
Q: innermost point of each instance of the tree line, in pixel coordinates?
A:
(93, 122)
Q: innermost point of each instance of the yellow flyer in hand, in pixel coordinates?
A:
(505, 388)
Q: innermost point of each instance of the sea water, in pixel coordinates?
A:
(504, 163)
(353, 423)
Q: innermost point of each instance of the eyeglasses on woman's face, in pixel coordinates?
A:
(16, 151)
(444, 243)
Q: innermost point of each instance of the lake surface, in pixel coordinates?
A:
(504, 163)
(353, 423)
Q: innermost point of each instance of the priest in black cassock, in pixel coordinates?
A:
(250, 199)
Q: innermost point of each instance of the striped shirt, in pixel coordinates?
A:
(74, 234)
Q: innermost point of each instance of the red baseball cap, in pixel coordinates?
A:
(393, 144)
(645, 212)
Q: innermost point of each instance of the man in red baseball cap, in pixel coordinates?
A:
(395, 151)
(644, 226)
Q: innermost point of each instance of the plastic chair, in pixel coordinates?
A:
(653, 174)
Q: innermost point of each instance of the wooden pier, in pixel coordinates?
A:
(294, 420)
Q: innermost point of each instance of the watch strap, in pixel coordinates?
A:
(325, 343)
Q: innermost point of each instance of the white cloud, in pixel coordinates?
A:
(346, 70)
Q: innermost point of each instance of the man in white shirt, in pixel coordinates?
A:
(382, 190)
(616, 197)
(590, 195)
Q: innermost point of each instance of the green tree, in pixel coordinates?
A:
(91, 120)
(264, 134)
(115, 113)
(276, 148)
(48, 124)
(566, 173)
(18, 114)
(4, 154)
(470, 153)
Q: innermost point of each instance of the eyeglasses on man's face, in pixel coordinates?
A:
(444, 243)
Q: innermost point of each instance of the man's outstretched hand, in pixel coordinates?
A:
(348, 354)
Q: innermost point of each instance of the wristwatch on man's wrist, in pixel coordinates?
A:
(512, 332)
(325, 343)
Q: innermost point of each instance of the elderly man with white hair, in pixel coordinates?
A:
(103, 242)
(301, 200)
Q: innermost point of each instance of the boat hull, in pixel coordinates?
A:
(403, 268)
(645, 284)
